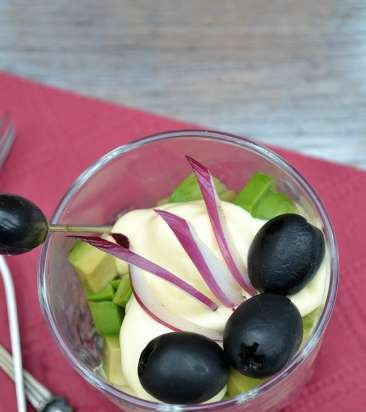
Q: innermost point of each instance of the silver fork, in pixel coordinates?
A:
(7, 136)
(39, 396)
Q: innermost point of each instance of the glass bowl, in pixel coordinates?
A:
(138, 175)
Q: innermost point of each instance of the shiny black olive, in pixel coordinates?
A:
(183, 368)
(23, 226)
(262, 335)
(285, 254)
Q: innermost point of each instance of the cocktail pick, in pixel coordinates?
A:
(23, 225)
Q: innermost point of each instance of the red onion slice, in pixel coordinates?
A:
(132, 258)
(226, 245)
(121, 239)
(151, 305)
(215, 274)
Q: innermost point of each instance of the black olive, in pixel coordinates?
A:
(262, 335)
(285, 254)
(23, 226)
(183, 368)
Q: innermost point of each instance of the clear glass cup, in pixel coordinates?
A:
(137, 175)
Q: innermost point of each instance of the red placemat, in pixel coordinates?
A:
(59, 135)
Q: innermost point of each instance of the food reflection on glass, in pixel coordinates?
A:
(208, 294)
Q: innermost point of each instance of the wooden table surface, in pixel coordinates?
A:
(290, 72)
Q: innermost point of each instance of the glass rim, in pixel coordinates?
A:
(243, 143)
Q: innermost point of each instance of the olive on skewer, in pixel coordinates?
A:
(23, 225)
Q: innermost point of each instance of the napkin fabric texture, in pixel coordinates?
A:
(59, 135)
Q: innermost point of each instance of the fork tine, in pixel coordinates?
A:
(6, 142)
(31, 383)
(8, 369)
(36, 393)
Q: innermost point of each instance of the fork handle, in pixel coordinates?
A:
(14, 333)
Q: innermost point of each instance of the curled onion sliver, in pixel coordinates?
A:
(151, 305)
(215, 273)
(121, 239)
(132, 258)
(226, 245)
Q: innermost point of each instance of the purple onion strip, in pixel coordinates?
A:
(219, 226)
(214, 272)
(132, 258)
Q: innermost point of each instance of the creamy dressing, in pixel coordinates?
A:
(151, 237)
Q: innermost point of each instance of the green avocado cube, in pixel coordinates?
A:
(309, 321)
(107, 317)
(273, 204)
(123, 292)
(227, 196)
(122, 266)
(94, 267)
(115, 283)
(189, 190)
(112, 361)
(105, 294)
(260, 198)
(255, 188)
(239, 383)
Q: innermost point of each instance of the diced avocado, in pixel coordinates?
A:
(105, 294)
(227, 196)
(189, 190)
(255, 188)
(107, 317)
(115, 283)
(309, 322)
(124, 292)
(272, 205)
(122, 266)
(260, 198)
(112, 361)
(94, 267)
(239, 383)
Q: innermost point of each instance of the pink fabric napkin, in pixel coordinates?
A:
(59, 135)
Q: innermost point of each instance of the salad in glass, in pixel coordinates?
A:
(206, 296)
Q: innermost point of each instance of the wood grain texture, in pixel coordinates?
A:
(290, 72)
